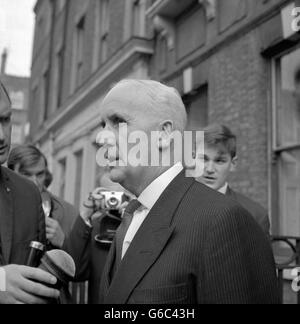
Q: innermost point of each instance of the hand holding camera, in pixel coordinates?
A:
(104, 208)
(102, 201)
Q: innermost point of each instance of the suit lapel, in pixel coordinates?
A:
(6, 214)
(149, 242)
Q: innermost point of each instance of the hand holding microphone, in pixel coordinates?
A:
(27, 285)
(61, 265)
(57, 263)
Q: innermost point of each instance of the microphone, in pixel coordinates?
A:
(35, 254)
(61, 265)
(56, 262)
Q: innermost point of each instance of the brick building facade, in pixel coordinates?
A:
(233, 61)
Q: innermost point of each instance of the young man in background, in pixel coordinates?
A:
(220, 160)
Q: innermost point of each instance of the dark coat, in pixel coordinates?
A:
(196, 246)
(89, 255)
(64, 213)
(258, 212)
(21, 217)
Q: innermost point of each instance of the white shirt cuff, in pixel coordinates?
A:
(2, 280)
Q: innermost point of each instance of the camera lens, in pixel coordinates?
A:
(112, 202)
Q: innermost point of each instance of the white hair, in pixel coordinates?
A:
(164, 103)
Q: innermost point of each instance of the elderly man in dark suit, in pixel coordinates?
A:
(180, 242)
(220, 160)
(21, 221)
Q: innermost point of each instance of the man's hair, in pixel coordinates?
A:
(216, 135)
(3, 91)
(25, 156)
(163, 102)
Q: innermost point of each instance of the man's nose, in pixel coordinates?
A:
(106, 137)
(210, 167)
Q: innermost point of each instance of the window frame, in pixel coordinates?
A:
(277, 150)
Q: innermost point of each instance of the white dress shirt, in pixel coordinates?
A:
(148, 198)
(223, 190)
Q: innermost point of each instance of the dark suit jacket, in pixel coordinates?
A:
(88, 254)
(64, 213)
(258, 212)
(195, 246)
(21, 217)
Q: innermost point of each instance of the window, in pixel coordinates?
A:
(187, 40)
(286, 143)
(197, 108)
(138, 21)
(78, 56)
(62, 178)
(78, 180)
(101, 33)
(162, 53)
(17, 136)
(45, 96)
(80, 47)
(60, 5)
(135, 19)
(58, 79)
(17, 99)
(104, 29)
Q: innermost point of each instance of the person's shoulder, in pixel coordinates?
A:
(211, 205)
(18, 182)
(228, 212)
(204, 205)
(207, 195)
(249, 204)
(63, 204)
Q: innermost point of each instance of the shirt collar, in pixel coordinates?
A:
(151, 194)
(223, 190)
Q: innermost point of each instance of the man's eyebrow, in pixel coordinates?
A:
(116, 115)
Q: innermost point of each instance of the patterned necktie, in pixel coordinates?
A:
(123, 228)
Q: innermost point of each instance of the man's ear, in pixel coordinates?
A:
(165, 134)
(234, 163)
